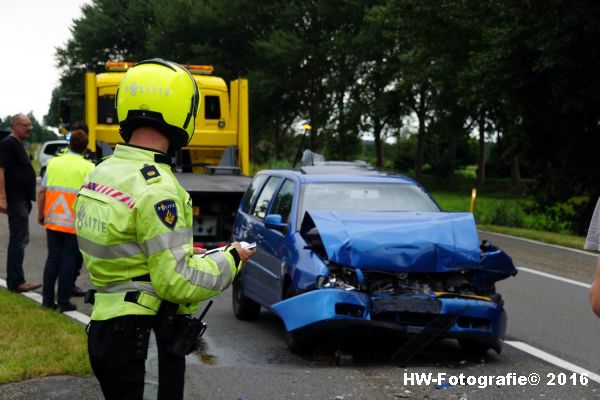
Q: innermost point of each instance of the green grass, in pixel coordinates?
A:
(454, 201)
(36, 342)
(487, 209)
(561, 239)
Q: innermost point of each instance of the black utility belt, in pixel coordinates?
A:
(138, 297)
(179, 332)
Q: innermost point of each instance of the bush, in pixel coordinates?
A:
(270, 164)
(566, 217)
(504, 213)
(570, 217)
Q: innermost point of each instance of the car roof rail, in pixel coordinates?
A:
(340, 168)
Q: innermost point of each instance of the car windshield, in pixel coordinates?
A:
(54, 148)
(362, 196)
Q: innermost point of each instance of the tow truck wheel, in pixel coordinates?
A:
(473, 348)
(243, 307)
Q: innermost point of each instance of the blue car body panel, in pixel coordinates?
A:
(495, 265)
(400, 241)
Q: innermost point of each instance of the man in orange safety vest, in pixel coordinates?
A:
(58, 191)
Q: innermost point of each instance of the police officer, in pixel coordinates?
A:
(134, 228)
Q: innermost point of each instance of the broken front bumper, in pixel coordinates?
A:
(476, 317)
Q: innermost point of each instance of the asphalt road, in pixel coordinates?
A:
(549, 314)
(249, 360)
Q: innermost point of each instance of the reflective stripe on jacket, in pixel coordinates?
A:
(65, 174)
(134, 229)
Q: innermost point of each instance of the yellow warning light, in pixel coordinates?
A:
(118, 66)
(199, 69)
(307, 126)
(122, 66)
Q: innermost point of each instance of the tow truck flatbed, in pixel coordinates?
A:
(214, 183)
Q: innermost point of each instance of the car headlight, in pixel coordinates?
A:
(324, 282)
(321, 281)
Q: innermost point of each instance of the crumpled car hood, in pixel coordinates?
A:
(399, 241)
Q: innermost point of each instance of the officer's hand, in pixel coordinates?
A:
(3, 205)
(40, 219)
(199, 250)
(244, 254)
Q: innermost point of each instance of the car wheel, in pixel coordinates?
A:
(243, 307)
(473, 348)
(296, 343)
(290, 291)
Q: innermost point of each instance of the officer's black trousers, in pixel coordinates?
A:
(121, 353)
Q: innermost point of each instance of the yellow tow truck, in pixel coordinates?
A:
(213, 168)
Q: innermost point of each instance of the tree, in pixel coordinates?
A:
(108, 30)
(379, 102)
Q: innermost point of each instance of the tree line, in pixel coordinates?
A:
(452, 81)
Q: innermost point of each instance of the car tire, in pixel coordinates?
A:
(296, 343)
(473, 348)
(243, 308)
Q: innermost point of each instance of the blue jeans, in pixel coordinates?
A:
(61, 264)
(18, 226)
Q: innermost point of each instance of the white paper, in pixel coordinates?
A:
(245, 245)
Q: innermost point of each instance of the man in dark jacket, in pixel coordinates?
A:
(17, 191)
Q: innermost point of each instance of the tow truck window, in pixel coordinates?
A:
(107, 113)
(212, 107)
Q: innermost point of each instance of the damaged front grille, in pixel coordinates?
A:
(394, 304)
(405, 310)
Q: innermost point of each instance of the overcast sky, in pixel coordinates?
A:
(30, 30)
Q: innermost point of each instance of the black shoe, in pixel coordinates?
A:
(77, 292)
(64, 307)
(50, 306)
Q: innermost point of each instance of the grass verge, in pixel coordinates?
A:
(572, 241)
(36, 342)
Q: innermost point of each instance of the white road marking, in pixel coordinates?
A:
(587, 253)
(559, 362)
(76, 315)
(555, 277)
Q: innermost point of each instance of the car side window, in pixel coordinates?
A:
(252, 193)
(282, 204)
(262, 204)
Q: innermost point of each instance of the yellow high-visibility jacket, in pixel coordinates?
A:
(64, 176)
(134, 228)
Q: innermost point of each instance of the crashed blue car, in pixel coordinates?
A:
(347, 249)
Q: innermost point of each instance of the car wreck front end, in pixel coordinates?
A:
(423, 275)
